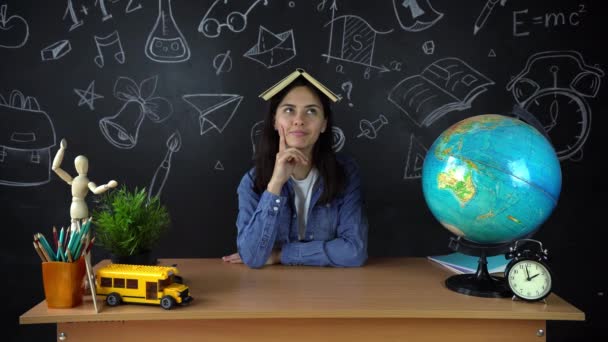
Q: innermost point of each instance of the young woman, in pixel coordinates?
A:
(301, 204)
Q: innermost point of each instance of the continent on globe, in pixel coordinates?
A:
(461, 185)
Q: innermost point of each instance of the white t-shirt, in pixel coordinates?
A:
(303, 194)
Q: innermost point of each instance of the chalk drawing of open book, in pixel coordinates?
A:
(446, 85)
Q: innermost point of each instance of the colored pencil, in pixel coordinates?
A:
(45, 244)
(39, 252)
(60, 243)
(55, 237)
(42, 249)
(90, 245)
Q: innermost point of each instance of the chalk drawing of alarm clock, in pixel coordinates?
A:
(553, 86)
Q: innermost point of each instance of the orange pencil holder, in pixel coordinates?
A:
(63, 283)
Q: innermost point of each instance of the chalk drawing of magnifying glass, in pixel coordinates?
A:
(235, 21)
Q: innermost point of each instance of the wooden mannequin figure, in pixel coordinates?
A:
(80, 184)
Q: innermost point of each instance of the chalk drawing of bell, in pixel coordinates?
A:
(272, 49)
(214, 110)
(166, 43)
(122, 129)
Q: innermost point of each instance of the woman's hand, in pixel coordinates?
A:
(286, 161)
(275, 257)
(235, 258)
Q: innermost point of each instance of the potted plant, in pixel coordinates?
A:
(128, 225)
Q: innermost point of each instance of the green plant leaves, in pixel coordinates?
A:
(126, 223)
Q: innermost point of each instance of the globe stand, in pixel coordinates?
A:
(480, 284)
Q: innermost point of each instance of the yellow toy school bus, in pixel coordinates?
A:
(141, 284)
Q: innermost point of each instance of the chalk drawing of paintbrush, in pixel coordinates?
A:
(162, 171)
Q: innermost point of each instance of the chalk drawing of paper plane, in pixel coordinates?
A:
(215, 110)
(272, 49)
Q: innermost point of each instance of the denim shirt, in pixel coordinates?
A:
(335, 235)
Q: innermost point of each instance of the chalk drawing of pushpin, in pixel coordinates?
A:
(370, 129)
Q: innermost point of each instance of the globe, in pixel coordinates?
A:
(491, 179)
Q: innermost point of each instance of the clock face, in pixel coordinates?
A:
(529, 280)
(565, 117)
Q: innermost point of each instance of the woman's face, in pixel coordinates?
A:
(302, 118)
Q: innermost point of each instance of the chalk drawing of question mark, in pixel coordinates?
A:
(348, 88)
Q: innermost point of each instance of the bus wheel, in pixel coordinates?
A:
(167, 302)
(113, 299)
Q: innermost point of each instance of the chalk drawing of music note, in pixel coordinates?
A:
(109, 40)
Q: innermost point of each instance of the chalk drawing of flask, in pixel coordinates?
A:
(166, 43)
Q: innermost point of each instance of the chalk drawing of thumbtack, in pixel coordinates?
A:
(370, 129)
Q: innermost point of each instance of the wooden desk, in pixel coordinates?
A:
(389, 299)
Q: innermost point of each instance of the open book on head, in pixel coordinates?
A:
(462, 263)
(272, 91)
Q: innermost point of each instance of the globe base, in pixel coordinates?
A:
(472, 285)
(480, 284)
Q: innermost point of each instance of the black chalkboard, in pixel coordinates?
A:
(125, 80)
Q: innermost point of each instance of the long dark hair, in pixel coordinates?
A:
(323, 156)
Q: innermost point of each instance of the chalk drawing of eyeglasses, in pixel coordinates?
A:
(235, 21)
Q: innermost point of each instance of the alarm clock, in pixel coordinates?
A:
(528, 275)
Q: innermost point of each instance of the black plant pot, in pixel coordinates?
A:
(144, 258)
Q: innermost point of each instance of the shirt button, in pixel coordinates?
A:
(278, 200)
(275, 208)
